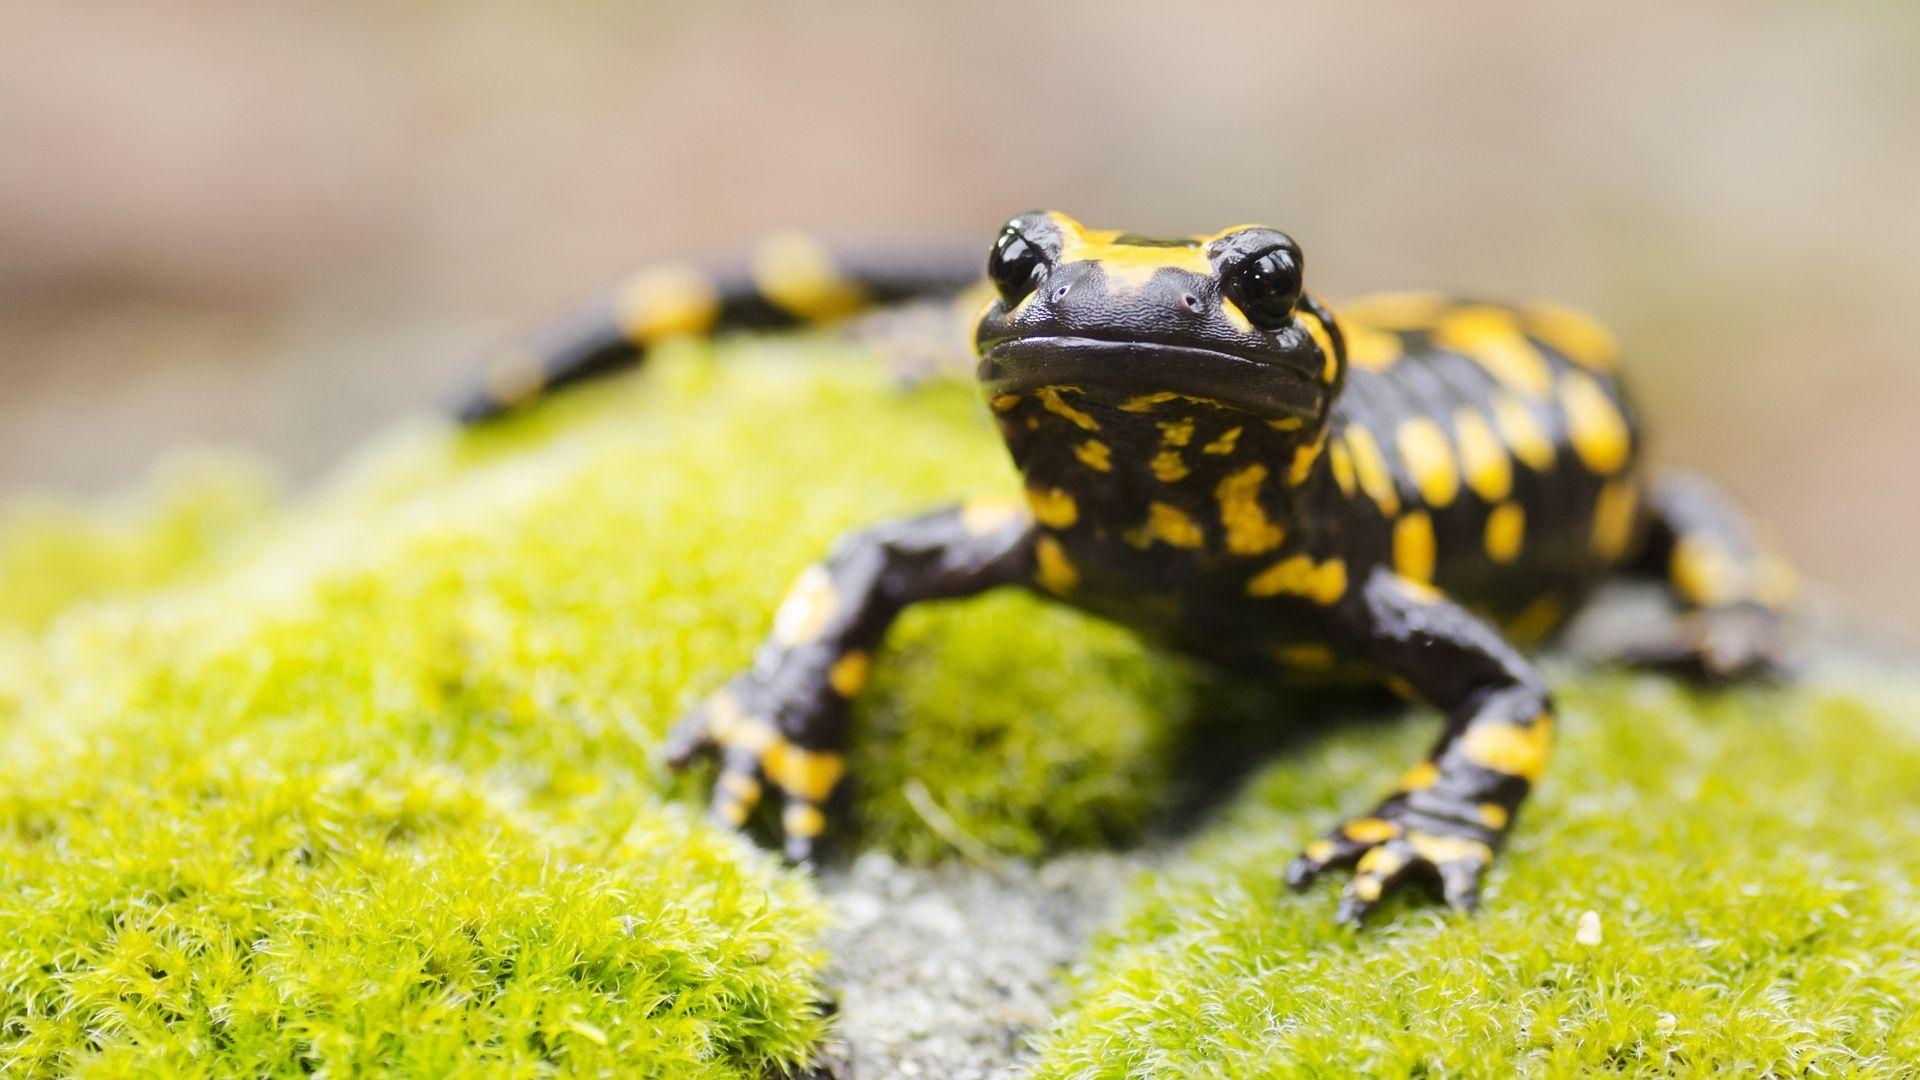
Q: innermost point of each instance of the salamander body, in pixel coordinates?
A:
(1408, 489)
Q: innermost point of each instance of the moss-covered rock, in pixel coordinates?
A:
(368, 783)
(1750, 862)
(55, 555)
(376, 787)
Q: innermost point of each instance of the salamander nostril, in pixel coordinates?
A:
(1060, 293)
(1193, 303)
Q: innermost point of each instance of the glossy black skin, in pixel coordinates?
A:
(1193, 436)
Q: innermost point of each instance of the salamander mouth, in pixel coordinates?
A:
(1268, 389)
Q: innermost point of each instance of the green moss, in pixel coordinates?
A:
(54, 554)
(1752, 860)
(1006, 727)
(369, 784)
(377, 788)
(263, 918)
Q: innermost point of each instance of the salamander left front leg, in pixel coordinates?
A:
(783, 722)
(1451, 811)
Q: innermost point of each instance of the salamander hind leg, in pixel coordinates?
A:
(782, 724)
(1449, 813)
(1734, 594)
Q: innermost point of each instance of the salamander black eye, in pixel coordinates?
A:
(1014, 266)
(1267, 287)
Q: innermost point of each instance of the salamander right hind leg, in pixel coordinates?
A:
(1734, 594)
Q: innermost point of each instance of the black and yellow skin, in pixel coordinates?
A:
(1409, 491)
(789, 280)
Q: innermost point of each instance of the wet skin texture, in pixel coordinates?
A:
(1408, 491)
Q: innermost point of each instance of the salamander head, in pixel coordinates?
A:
(1222, 318)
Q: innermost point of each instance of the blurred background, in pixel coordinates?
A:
(282, 226)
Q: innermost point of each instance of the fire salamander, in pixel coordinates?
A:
(1408, 491)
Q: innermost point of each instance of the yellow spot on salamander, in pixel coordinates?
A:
(1575, 335)
(739, 787)
(1419, 591)
(1249, 530)
(1055, 404)
(1095, 455)
(1322, 340)
(1287, 423)
(1235, 316)
(1341, 460)
(806, 774)
(745, 732)
(1413, 546)
(1420, 777)
(1167, 524)
(1168, 466)
(1176, 432)
(1003, 402)
(849, 673)
(1370, 349)
(1537, 620)
(1489, 337)
(1053, 507)
(1224, 444)
(1370, 830)
(1127, 267)
(796, 272)
(1147, 402)
(1323, 583)
(724, 714)
(1494, 816)
(1705, 573)
(1514, 749)
(1615, 513)
(1320, 850)
(1371, 468)
(1375, 867)
(802, 819)
(1429, 459)
(1594, 425)
(1440, 850)
(1053, 570)
(989, 514)
(1506, 532)
(749, 735)
(666, 301)
(1484, 462)
(1522, 431)
(1395, 310)
(1304, 458)
(732, 812)
(809, 606)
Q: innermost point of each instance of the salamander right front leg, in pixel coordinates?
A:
(783, 722)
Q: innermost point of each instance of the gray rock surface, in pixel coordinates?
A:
(944, 971)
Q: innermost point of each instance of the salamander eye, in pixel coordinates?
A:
(1267, 287)
(1014, 266)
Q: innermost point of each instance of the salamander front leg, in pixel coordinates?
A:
(1451, 811)
(1734, 593)
(783, 722)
